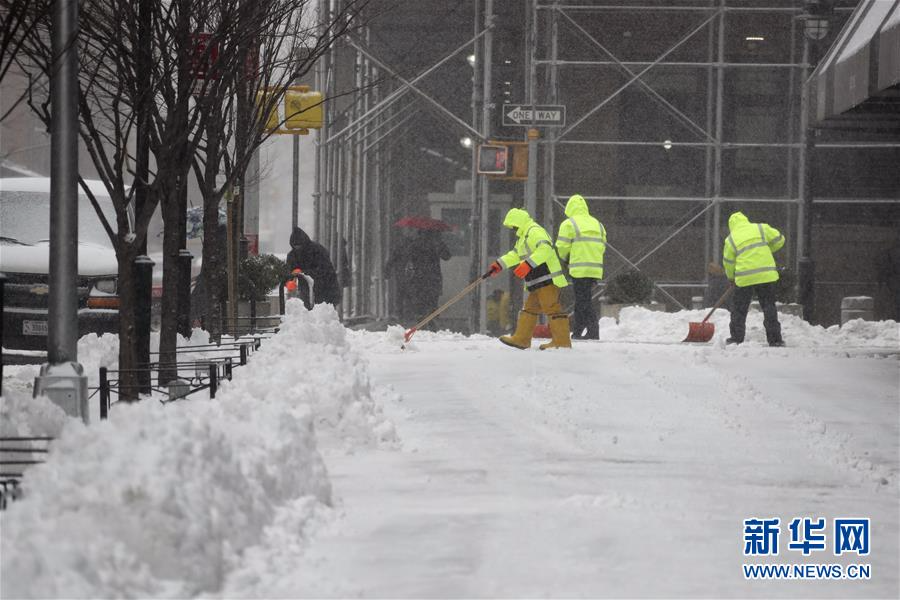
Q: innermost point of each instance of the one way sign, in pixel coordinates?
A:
(543, 115)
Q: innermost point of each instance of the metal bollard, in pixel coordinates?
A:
(104, 394)
(183, 325)
(213, 380)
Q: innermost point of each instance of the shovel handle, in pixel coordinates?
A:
(412, 330)
(720, 302)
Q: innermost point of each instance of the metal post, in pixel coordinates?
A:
(213, 380)
(477, 99)
(104, 394)
(185, 258)
(531, 184)
(62, 378)
(486, 115)
(143, 292)
(553, 83)
(531, 99)
(378, 219)
(717, 161)
(230, 265)
(295, 181)
(805, 263)
(710, 121)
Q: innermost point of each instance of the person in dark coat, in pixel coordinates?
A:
(312, 259)
(416, 264)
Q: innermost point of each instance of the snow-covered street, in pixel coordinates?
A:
(621, 468)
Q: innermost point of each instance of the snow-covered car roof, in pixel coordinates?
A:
(93, 260)
(24, 220)
(42, 184)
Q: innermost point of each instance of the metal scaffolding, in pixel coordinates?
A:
(356, 173)
(716, 20)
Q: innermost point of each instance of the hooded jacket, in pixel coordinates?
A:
(313, 259)
(581, 240)
(747, 255)
(533, 246)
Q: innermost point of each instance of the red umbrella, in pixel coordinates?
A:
(425, 223)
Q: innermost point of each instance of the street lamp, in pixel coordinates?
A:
(465, 142)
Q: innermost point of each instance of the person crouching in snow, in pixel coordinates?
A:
(536, 262)
(749, 263)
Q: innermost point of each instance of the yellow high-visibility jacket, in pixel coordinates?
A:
(747, 256)
(534, 247)
(581, 240)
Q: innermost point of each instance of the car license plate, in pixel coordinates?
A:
(34, 327)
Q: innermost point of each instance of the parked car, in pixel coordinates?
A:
(24, 259)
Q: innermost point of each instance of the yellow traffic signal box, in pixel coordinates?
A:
(303, 110)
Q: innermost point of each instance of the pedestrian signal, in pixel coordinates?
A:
(493, 159)
(504, 160)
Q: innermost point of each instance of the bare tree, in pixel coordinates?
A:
(140, 69)
(285, 46)
(18, 19)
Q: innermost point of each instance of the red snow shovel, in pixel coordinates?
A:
(703, 331)
(412, 330)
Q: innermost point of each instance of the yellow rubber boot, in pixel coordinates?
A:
(559, 332)
(521, 339)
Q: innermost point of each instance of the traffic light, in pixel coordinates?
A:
(303, 110)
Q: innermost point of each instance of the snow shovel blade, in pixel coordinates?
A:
(700, 332)
(408, 335)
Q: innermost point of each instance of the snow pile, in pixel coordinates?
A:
(170, 500)
(23, 416)
(638, 324)
(311, 362)
(158, 502)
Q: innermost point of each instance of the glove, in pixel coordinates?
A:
(291, 285)
(494, 269)
(522, 270)
(297, 271)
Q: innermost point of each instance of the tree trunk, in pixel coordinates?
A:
(168, 329)
(212, 272)
(128, 380)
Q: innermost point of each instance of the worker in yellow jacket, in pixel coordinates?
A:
(534, 260)
(750, 264)
(582, 243)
